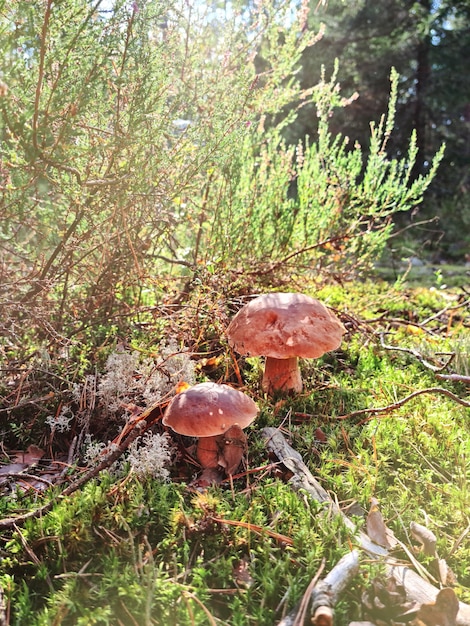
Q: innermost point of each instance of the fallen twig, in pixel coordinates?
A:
(399, 403)
(455, 378)
(437, 369)
(416, 354)
(32, 555)
(417, 589)
(186, 594)
(444, 310)
(21, 405)
(260, 530)
(324, 595)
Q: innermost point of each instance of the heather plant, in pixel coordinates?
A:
(142, 153)
(114, 119)
(323, 203)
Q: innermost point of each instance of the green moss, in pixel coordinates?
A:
(129, 551)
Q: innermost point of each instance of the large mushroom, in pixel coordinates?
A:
(216, 414)
(283, 327)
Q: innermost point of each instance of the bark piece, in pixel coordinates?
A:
(325, 595)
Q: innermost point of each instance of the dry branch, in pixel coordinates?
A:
(437, 369)
(444, 310)
(324, 595)
(396, 405)
(417, 589)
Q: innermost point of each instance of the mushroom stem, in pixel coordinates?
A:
(207, 451)
(282, 375)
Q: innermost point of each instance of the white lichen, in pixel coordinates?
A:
(132, 376)
(150, 455)
(119, 380)
(60, 422)
(92, 450)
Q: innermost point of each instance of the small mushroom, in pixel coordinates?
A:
(208, 411)
(283, 327)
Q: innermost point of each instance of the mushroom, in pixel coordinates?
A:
(209, 411)
(283, 327)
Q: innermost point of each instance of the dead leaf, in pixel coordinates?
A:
(320, 435)
(426, 538)
(242, 575)
(384, 601)
(375, 525)
(232, 446)
(210, 476)
(32, 455)
(443, 570)
(443, 612)
(209, 362)
(182, 386)
(414, 330)
(13, 468)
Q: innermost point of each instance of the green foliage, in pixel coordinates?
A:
(151, 554)
(142, 153)
(325, 204)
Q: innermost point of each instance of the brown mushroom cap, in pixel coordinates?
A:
(209, 409)
(283, 326)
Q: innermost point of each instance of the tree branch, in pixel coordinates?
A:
(324, 595)
(434, 368)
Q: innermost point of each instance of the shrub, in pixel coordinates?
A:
(142, 145)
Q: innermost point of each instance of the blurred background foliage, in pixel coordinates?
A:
(426, 41)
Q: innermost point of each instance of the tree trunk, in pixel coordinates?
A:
(423, 72)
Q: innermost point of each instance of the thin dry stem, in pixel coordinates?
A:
(400, 403)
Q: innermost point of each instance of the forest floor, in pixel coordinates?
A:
(105, 519)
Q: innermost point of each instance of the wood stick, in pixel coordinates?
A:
(417, 589)
(325, 593)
